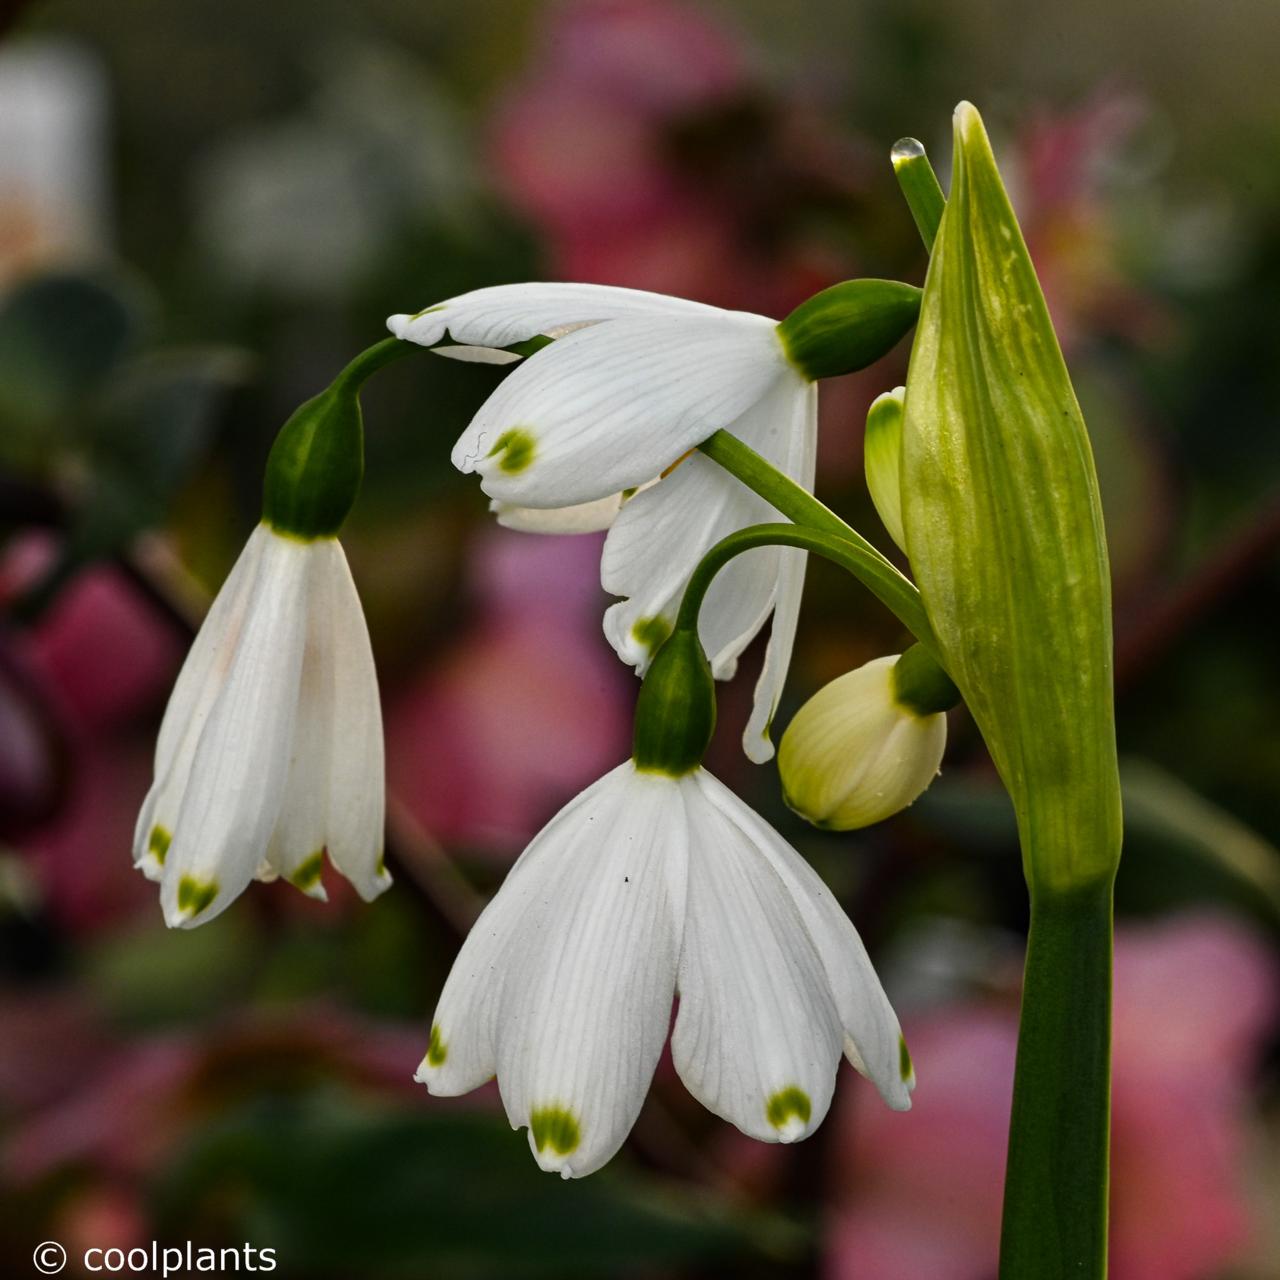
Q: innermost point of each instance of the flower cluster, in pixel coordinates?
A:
(657, 882)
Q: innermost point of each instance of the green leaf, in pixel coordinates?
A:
(60, 337)
(1004, 528)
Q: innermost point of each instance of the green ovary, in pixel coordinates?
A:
(557, 1128)
(437, 1050)
(158, 843)
(194, 895)
(787, 1104)
(514, 450)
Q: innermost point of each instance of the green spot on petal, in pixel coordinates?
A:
(307, 874)
(194, 895)
(516, 447)
(158, 843)
(651, 632)
(787, 1104)
(555, 1127)
(905, 1069)
(427, 311)
(437, 1050)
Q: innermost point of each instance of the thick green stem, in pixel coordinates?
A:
(867, 565)
(1057, 1176)
(373, 358)
(1055, 1199)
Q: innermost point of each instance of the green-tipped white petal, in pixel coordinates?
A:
(238, 772)
(503, 315)
(656, 543)
(610, 406)
(854, 754)
(202, 676)
(873, 1037)
(758, 1036)
(882, 459)
(335, 800)
(564, 985)
(801, 466)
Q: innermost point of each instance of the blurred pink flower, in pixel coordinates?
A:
(1061, 172)
(98, 660)
(468, 747)
(650, 154)
(1193, 1000)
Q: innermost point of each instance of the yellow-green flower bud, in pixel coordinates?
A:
(862, 747)
(849, 326)
(676, 709)
(882, 458)
(1004, 528)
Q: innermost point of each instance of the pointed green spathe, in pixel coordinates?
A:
(1004, 528)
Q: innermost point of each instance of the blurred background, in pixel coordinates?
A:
(206, 207)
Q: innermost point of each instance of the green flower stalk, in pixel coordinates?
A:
(1004, 532)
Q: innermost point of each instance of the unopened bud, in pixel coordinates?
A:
(859, 751)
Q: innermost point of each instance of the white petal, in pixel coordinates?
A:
(240, 766)
(874, 1042)
(356, 785)
(590, 978)
(611, 406)
(505, 314)
(202, 676)
(801, 467)
(585, 517)
(758, 1037)
(478, 355)
(658, 540)
(462, 1054)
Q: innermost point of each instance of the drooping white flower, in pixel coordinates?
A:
(592, 432)
(863, 747)
(645, 886)
(270, 752)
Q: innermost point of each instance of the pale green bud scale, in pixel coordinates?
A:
(882, 459)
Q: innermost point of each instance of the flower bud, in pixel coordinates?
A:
(867, 744)
(849, 326)
(676, 710)
(882, 458)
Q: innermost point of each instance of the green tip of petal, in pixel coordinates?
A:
(307, 874)
(514, 450)
(426, 311)
(651, 632)
(557, 1128)
(437, 1050)
(789, 1110)
(195, 895)
(158, 843)
(905, 1069)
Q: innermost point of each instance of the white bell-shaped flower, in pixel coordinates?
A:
(645, 886)
(596, 429)
(270, 752)
(863, 747)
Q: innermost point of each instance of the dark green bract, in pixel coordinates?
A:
(676, 710)
(317, 461)
(849, 326)
(921, 685)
